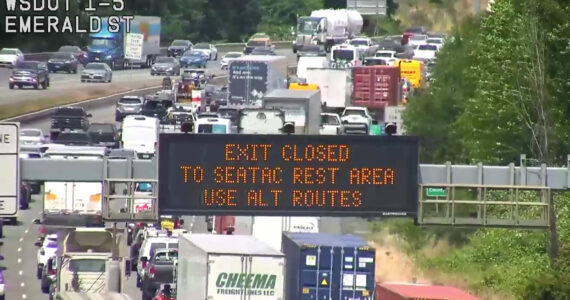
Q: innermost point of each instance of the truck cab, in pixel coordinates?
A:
(106, 46)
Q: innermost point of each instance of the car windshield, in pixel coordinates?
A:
(95, 67)
(129, 101)
(359, 42)
(68, 49)
(179, 43)
(202, 46)
(354, 112)
(27, 65)
(69, 112)
(374, 62)
(232, 55)
(161, 245)
(433, 41)
(75, 137)
(8, 51)
(192, 53)
(343, 54)
(61, 55)
(162, 257)
(256, 43)
(87, 265)
(164, 60)
(102, 42)
(212, 128)
(383, 54)
(428, 47)
(101, 127)
(418, 37)
(30, 133)
(329, 120)
(144, 187)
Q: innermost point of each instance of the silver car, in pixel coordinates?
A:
(97, 72)
(128, 105)
(165, 66)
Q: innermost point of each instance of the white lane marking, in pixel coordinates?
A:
(19, 249)
(21, 272)
(24, 296)
(19, 260)
(22, 284)
(21, 239)
(26, 231)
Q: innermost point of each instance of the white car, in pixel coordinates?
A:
(224, 63)
(439, 42)
(9, 57)
(417, 39)
(388, 55)
(208, 49)
(356, 114)
(330, 124)
(47, 250)
(364, 45)
(425, 52)
(32, 137)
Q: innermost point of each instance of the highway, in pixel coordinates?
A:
(19, 250)
(63, 85)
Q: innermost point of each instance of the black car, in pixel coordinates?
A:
(79, 54)
(29, 73)
(73, 138)
(178, 47)
(70, 117)
(104, 134)
(63, 61)
(155, 108)
(262, 51)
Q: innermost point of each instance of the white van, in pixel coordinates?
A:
(306, 62)
(348, 54)
(213, 125)
(140, 133)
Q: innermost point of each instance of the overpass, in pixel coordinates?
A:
(453, 195)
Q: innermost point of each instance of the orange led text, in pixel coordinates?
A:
(376, 176)
(247, 152)
(320, 153)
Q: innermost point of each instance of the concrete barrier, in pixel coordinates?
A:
(222, 48)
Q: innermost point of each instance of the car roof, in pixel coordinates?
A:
(10, 49)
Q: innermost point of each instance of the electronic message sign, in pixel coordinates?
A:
(289, 175)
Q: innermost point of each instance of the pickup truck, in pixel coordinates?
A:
(68, 118)
(159, 270)
(29, 73)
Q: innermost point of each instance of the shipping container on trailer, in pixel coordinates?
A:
(412, 291)
(335, 86)
(328, 267)
(376, 87)
(228, 267)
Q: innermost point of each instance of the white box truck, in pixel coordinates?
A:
(270, 229)
(72, 203)
(301, 107)
(228, 267)
(335, 86)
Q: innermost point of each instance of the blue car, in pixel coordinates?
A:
(193, 58)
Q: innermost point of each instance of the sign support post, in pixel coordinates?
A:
(10, 170)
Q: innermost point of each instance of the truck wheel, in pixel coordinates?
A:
(139, 282)
(39, 273)
(112, 65)
(36, 86)
(216, 56)
(11, 86)
(44, 84)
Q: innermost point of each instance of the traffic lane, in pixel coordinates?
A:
(62, 85)
(20, 255)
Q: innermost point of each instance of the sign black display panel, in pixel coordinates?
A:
(288, 175)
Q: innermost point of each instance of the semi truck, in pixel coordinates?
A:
(335, 86)
(327, 27)
(302, 108)
(251, 77)
(228, 267)
(109, 47)
(376, 87)
(90, 262)
(72, 203)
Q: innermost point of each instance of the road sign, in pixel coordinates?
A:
(287, 175)
(436, 192)
(134, 45)
(10, 170)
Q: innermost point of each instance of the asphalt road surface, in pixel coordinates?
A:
(19, 250)
(63, 84)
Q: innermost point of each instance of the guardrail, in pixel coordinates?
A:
(222, 48)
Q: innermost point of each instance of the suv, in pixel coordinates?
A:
(128, 105)
(178, 47)
(70, 117)
(29, 73)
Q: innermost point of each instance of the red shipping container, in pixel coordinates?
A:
(375, 87)
(410, 291)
